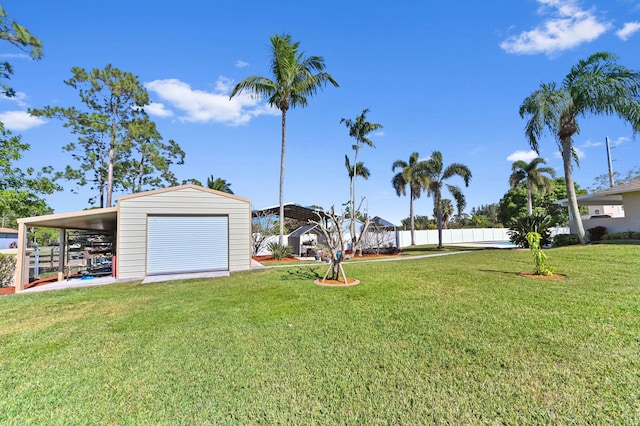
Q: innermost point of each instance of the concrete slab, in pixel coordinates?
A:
(172, 277)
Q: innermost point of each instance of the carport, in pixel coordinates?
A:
(179, 230)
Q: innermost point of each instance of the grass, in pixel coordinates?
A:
(457, 339)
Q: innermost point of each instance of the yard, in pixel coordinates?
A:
(457, 339)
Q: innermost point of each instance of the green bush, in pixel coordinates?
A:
(279, 251)
(523, 224)
(562, 240)
(7, 268)
(596, 233)
(629, 235)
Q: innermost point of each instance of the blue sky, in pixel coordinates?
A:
(447, 76)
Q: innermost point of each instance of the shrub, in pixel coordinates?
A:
(539, 258)
(7, 268)
(523, 224)
(629, 235)
(596, 233)
(562, 240)
(279, 251)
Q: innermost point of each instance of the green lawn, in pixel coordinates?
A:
(458, 339)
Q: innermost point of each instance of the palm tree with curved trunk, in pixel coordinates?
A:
(295, 78)
(437, 176)
(533, 178)
(414, 173)
(596, 85)
(219, 184)
(358, 129)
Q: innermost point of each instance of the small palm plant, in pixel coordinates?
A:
(539, 257)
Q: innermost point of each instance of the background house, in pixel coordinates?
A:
(619, 199)
(8, 238)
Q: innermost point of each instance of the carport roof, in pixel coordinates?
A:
(292, 211)
(104, 219)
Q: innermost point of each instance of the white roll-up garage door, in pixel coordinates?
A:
(181, 244)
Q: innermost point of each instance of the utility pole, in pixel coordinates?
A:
(609, 160)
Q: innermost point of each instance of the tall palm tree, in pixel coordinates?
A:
(596, 85)
(219, 184)
(532, 177)
(415, 174)
(437, 175)
(294, 79)
(358, 129)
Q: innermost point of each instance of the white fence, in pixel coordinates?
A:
(471, 235)
(449, 236)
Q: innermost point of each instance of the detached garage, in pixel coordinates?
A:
(180, 230)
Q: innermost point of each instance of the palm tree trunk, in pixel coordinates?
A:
(353, 202)
(282, 151)
(529, 201)
(412, 219)
(574, 211)
(436, 199)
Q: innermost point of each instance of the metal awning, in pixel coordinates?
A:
(291, 211)
(104, 219)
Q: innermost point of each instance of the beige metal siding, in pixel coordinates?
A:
(132, 226)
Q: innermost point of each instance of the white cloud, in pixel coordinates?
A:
(523, 155)
(241, 64)
(20, 120)
(157, 109)
(590, 144)
(477, 150)
(19, 98)
(627, 30)
(15, 56)
(203, 106)
(620, 141)
(567, 27)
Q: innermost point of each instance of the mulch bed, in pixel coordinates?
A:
(337, 283)
(7, 290)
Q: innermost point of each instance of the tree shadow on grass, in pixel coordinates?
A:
(494, 271)
(302, 273)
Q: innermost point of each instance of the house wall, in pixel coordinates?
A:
(132, 225)
(613, 211)
(630, 221)
(631, 202)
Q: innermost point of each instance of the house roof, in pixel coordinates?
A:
(381, 222)
(302, 230)
(180, 188)
(8, 231)
(621, 189)
(608, 197)
(106, 219)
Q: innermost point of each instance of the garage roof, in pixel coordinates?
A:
(92, 220)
